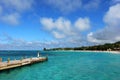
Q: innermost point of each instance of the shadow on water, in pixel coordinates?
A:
(8, 71)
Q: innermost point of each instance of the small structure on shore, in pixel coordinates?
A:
(17, 63)
(109, 49)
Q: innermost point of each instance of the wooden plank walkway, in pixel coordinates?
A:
(18, 63)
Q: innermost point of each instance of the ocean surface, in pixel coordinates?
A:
(64, 65)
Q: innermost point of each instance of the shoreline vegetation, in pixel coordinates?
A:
(108, 47)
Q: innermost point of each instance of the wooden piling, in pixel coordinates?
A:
(8, 60)
(0, 59)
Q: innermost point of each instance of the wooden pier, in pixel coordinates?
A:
(17, 63)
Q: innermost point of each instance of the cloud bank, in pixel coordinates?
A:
(9, 43)
(64, 28)
(112, 30)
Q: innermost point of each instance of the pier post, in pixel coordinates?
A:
(30, 58)
(8, 60)
(21, 58)
(0, 59)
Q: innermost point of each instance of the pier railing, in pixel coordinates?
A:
(16, 63)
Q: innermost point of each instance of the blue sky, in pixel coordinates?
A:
(35, 24)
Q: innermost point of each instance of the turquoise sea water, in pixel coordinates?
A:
(65, 65)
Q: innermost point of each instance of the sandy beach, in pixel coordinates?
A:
(112, 52)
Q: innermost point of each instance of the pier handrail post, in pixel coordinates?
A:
(0, 59)
(30, 59)
(21, 58)
(8, 61)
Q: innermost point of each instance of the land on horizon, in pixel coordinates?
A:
(105, 47)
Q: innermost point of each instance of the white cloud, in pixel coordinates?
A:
(1, 10)
(91, 38)
(92, 4)
(10, 43)
(112, 17)
(115, 1)
(82, 24)
(18, 5)
(11, 18)
(112, 30)
(62, 28)
(58, 35)
(48, 23)
(11, 11)
(67, 6)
